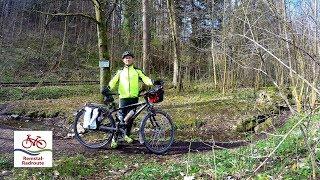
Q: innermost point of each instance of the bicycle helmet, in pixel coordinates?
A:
(127, 53)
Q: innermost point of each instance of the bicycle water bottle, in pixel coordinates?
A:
(128, 116)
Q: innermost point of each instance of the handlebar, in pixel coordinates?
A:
(111, 94)
(152, 91)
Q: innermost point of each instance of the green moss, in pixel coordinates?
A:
(264, 126)
(5, 163)
(78, 166)
(114, 162)
(7, 94)
(158, 171)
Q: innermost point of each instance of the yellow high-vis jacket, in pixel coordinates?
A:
(128, 80)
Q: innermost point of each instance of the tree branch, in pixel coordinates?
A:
(312, 56)
(69, 14)
(270, 78)
(281, 62)
(97, 4)
(283, 139)
(113, 8)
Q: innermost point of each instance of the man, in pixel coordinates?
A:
(127, 80)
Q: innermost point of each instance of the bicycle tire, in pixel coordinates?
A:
(148, 129)
(25, 143)
(87, 135)
(41, 144)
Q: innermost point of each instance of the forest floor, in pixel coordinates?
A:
(201, 120)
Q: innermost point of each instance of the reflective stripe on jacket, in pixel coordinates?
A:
(128, 80)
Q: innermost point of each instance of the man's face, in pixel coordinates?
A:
(127, 60)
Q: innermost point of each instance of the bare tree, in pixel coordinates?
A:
(146, 36)
(175, 41)
(100, 20)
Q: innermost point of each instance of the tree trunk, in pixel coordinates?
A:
(224, 31)
(64, 39)
(146, 36)
(105, 75)
(2, 21)
(212, 49)
(79, 33)
(44, 32)
(22, 20)
(313, 95)
(112, 39)
(294, 82)
(175, 40)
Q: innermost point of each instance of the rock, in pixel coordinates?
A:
(247, 125)
(56, 174)
(264, 126)
(5, 173)
(15, 116)
(69, 135)
(136, 165)
(230, 178)
(188, 177)
(269, 100)
(251, 123)
(265, 103)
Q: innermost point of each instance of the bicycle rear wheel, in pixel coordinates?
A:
(157, 132)
(93, 138)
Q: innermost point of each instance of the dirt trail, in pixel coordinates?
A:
(68, 146)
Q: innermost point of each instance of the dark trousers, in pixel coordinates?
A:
(123, 112)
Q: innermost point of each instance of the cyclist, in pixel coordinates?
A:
(127, 82)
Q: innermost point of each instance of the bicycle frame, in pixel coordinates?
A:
(142, 106)
(33, 141)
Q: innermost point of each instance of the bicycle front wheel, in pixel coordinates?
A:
(93, 138)
(157, 132)
(41, 144)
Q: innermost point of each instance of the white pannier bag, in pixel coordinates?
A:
(90, 117)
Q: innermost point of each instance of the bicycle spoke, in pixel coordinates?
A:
(93, 138)
(153, 138)
(158, 132)
(155, 142)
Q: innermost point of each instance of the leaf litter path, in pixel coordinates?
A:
(68, 146)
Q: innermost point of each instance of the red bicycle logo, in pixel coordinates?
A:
(27, 143)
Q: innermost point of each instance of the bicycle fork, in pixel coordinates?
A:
(154, 124)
